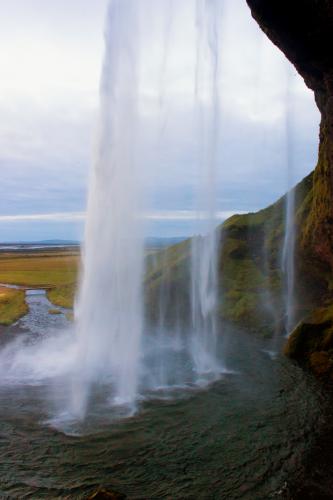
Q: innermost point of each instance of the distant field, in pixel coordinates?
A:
(45, 269)
(52, 269)
(55, 270)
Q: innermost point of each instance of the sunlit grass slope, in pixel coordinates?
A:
(12, 305)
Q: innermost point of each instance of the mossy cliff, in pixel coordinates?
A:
(303, 29)
(249, 271)
(167, 284)
(250, 278)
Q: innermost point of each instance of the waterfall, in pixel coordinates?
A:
(288, 259)
(109, 309)
(204, 248)
(288, 251)
(115, 347)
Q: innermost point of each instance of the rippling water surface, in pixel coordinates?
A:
(244, 436)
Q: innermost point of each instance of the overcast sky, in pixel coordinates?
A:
(50, 61)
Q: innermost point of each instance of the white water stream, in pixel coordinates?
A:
(110, 303)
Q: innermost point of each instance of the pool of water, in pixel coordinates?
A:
(244, 436)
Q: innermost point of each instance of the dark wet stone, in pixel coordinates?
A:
(106, 494)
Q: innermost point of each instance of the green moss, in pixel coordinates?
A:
(248, 278)
(167, 281)
(249, 269)
(250, 265)
(12, 306)
(314, 233)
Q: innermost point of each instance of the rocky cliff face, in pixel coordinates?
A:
(303, 29)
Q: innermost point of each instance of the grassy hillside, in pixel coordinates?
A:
(250, 276)
(12, 305)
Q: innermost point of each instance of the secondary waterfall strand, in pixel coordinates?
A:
(288, 251)
(204, 248)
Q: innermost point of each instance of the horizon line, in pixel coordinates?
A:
(159, 215)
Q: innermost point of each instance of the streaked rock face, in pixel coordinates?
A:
(302, 29)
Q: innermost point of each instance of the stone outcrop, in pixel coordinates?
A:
(311, 343)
